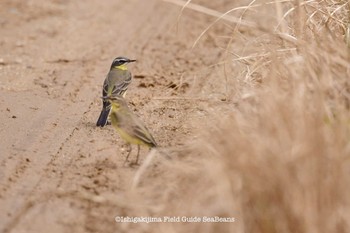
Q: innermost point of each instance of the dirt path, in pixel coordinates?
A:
(54, 56)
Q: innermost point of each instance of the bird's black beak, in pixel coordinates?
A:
(130, 60)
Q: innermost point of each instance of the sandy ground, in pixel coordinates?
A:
(54, 58)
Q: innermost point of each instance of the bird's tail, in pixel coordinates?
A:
(102, 119)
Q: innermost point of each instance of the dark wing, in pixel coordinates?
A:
(120, 88)
(117, 82)
(143, 134)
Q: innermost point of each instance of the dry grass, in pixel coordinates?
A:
(276, 157)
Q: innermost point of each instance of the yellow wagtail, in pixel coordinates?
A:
(116, 83)
(128, 125)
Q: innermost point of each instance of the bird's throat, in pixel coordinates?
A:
(121, 67)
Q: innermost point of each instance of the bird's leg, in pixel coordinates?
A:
(127, 157)
(108, 118)
(138, 154)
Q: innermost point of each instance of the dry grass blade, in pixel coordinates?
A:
(145, 165)
(210, 12)
(347, 35)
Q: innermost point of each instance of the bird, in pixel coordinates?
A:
(116, 83)
(128, 125)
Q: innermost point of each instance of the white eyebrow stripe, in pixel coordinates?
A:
(120, 60)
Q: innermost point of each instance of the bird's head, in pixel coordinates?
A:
(112, 97)
(120, 63)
